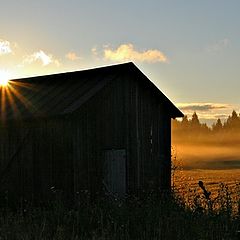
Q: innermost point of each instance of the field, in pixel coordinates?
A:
(149, 218)
(212, 179)
(207, 161)
(222, 188)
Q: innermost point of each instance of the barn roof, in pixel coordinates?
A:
(63, 93)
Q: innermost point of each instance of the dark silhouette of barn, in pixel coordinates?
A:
(104, 129)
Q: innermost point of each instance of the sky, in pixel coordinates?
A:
(190, 49)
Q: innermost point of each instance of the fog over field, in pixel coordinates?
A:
(197, 146)
(207, 156)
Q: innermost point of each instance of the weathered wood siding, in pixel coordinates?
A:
(36, 157)
(149, 143)
(100, 125)
(67, 152)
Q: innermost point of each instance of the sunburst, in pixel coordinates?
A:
(4, 78)
(11, 94)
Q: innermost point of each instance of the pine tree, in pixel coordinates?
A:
(195, 121)
(185, 122)
(218, 126)
(233, 121)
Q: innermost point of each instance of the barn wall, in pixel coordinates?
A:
(100, 125)
(128, 115)
(33, 158)
(66, 153)
(149, 141)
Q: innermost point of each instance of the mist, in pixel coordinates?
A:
(197, 146)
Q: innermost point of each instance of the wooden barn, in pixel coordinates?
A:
(104, 129)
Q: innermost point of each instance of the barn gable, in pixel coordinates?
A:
(64, 93)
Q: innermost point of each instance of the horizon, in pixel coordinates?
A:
(210, 121)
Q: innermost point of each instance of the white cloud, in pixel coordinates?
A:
(72, 56)
(41, 56)
(126, 52)
(94, 51)
(5, 47)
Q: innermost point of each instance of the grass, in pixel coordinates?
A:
(149, 217)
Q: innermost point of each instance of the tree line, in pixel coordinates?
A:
(191, 129)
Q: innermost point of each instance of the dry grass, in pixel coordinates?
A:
(150, 217)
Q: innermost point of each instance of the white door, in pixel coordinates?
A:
(115, 171)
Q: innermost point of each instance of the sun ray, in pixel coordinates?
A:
(12, 103)
(24, 100)
(24, 85)
(10, 95)
(3, 105)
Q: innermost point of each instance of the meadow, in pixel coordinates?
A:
(212, 178)
(216, 165)
(185, 213)
(153, 216)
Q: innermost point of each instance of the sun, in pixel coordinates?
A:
(4, 78)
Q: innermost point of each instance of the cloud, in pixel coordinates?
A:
(221, 115)
(126, 52)
(72, 56)
(5, 47)
(208, 112)
(94, 51)
(219, 45)
(202, 107)
(41, 56)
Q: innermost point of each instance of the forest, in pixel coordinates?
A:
(202, 146)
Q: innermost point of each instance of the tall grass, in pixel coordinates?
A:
(152, 216)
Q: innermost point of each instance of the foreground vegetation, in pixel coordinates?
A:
(149, 217)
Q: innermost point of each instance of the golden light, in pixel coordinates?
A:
(11, 96)
(4, 78)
